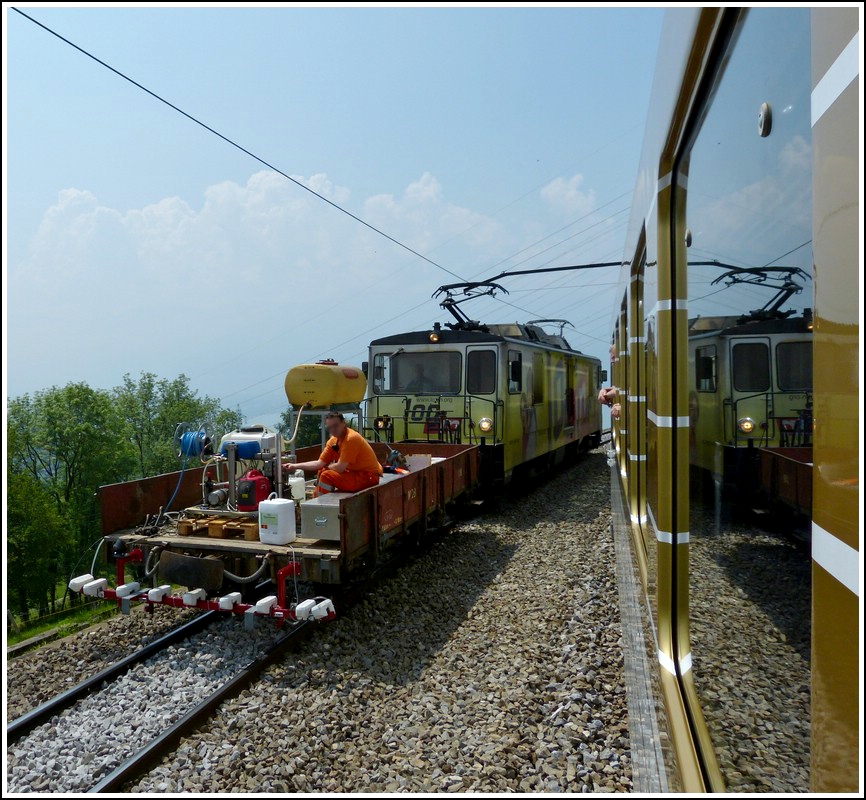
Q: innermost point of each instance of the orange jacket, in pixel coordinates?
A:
(354, 450)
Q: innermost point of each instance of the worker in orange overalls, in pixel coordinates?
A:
(348, 462)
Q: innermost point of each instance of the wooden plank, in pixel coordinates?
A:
(306, 546)
(233, 529)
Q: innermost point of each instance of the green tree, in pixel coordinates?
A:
(152, 409)
(63, 444)
(38, 540)
(138, 406)
(70, 440)
(309, 433)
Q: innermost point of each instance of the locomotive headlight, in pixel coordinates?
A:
(486, 424)
(381, 423)
(434, 337)
(746, 424)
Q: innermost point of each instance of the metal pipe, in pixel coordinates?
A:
(278, 464)
(232, 453)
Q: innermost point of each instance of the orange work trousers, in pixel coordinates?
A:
(349, 481)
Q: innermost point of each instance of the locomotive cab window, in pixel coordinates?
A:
(417, 373)
(751, 366)
(705, 369)
(537, 378)
(481, 372)
(515, 371)
(794, 366)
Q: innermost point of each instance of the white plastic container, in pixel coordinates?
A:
(276, 520)
(416, 462)
(298, 486)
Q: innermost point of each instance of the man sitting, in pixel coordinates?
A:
(420, 383)
(347, 464)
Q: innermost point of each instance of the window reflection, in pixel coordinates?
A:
(749, 284)
(751, 370)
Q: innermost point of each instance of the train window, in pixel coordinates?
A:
(537, 378)
(751, 367)
(515, 371)
(705, 368)
(417, 373)
(481, 372)
(746, 236)
(381, 376)
(794, 366)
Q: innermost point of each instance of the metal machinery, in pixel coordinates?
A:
(751, 158)
(249, 521)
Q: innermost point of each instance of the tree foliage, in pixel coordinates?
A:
(70, 440)
(309, 433)
(38, 541)
(64, 443)
(152, 409)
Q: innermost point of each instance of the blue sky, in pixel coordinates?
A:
(485, 139)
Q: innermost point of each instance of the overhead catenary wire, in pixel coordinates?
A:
(379, 325)
(236, 145)
(333, 204)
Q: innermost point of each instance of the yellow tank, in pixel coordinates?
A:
(325, 384)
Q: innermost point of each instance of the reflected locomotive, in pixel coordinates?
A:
(750, 157)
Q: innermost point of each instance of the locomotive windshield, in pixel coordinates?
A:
(794, 366)
(417, 373)
(751, 367)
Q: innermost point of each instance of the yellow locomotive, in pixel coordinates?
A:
(750, 396)
(751, 158)
(523, 395)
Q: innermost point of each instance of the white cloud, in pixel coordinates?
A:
(762, 219)
(565, 195)
(425, 190)
(259, 277)
(428, 221)
(169, 287)
(796, 156)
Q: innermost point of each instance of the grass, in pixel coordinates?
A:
(66, 621)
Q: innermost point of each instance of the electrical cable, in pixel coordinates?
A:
(299, 184)
(239, 147)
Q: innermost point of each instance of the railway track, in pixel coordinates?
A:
(22, 725)
(90, 738)
(145, 745)
(138, 764)
(126, 767)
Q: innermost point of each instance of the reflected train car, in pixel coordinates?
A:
(750, 389)
(751, 159)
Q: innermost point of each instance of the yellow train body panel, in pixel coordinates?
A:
(749, 164)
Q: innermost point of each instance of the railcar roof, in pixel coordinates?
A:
(527, 334)
(733, 326)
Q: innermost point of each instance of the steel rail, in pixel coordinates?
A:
(27, 722)
(137, 764)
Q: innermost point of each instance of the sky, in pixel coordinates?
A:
(212, 237)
